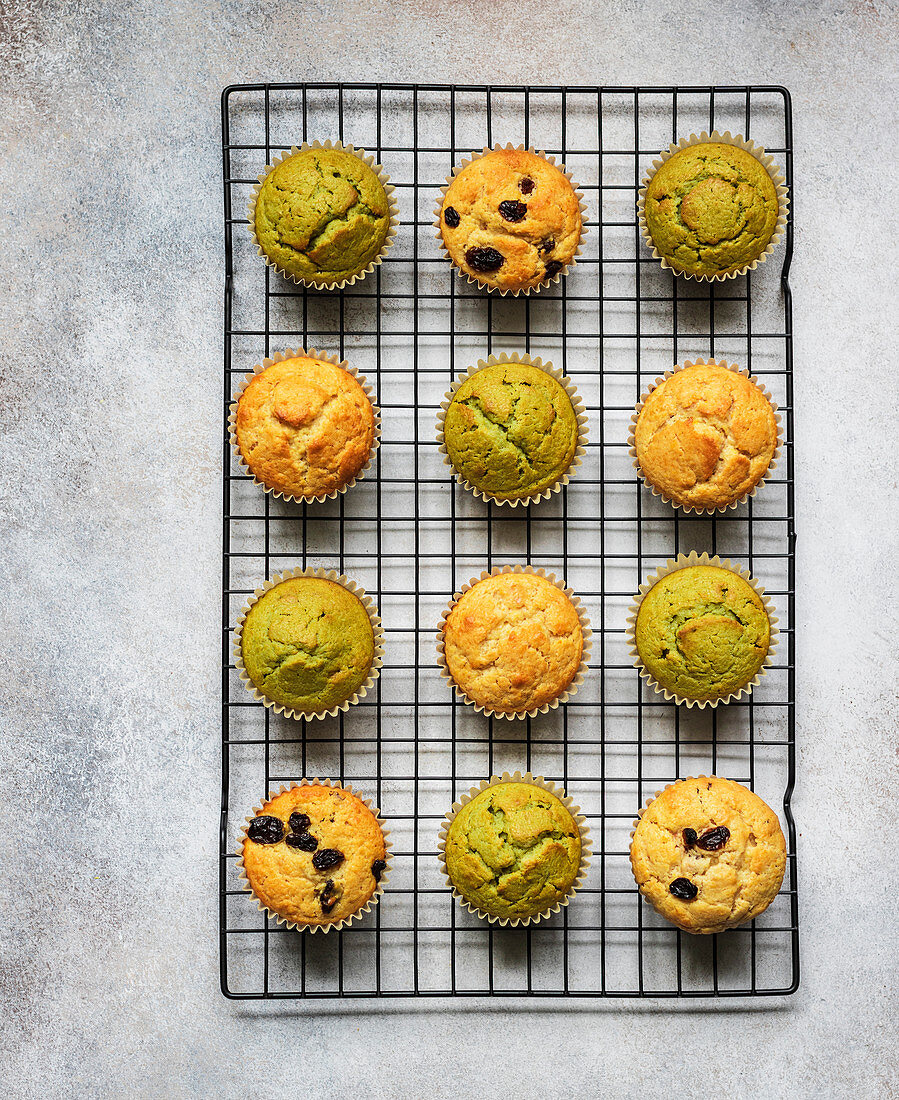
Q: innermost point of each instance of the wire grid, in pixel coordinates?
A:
(412, 536)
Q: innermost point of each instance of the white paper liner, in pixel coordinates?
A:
(576, 403)
(392, 209)
(259, 368)
(483, 284)
(371, 611)
(686, 561)
(333, 925)
(585, 655)
(649, 800)
(767, 162)
(632, 443)
(567, 802)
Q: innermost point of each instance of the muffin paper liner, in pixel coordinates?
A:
(686, 561)
(259, 368)
(767, 162)
(372, 612)
(585, 655)
(482, 283)
(576, 403)
(649, 800)
(567, 802)
(335, 925)
(393, 212)
(632, 442)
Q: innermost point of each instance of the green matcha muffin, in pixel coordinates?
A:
(701, 633)
(322, 215)
(511, 431)
(711, 209)
(309, 644)
(514, 852)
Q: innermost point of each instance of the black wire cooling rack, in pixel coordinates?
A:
(412, 536)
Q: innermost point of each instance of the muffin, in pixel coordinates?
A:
(705, 437)
(708, 854)
(314, 855)
(511, 431)
(711, 209)
(322, 215)
(513, 643)
(702, 632)
(304, 427)
(513, 851)
(308, 645)
(510, 220)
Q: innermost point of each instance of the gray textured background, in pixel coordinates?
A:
(110, 300)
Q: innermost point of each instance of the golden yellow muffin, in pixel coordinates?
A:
(705, 437)
(314, 854)
(511, 220)
(513, 642)
(304, 427)
(708, 854)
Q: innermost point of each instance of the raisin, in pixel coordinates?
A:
(512, 210)
(553, 268)
(328, 896)
(714, 839)
(484, 259)
(299, 823)
(377, 868)
(690, 837)
(684, 889)
(327, 858)
(306, 842)
(265, 829)
(451, 217)
(526, 185)
(547, 245)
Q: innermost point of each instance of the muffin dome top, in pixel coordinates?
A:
(322, 215)
(304, 426)
(702, 632)
(513, 851)
(708, 854)
(308, 644)
(711, 208)
(705, 436)
(510, 430)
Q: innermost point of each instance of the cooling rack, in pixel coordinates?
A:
(412, 536)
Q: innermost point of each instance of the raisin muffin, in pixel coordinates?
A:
(314, 855)
(511, 431)
(711, 209)
(705, 437)
(511, 220)
(321, 215)
(513, 643)
(708, 854)
(304, 427)
(702, 632)
(307, 644)
(513, 851)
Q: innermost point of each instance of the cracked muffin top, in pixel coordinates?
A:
(308, 644)
(708, 854)
(513, 642)
(304, 427)
(510, 220)
(510, 430)
(711, 209)
(702, 632)
(706, 436)
(314, 854)
(513, 851)
(322, 215)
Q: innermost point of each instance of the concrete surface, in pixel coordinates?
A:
(110, 338)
